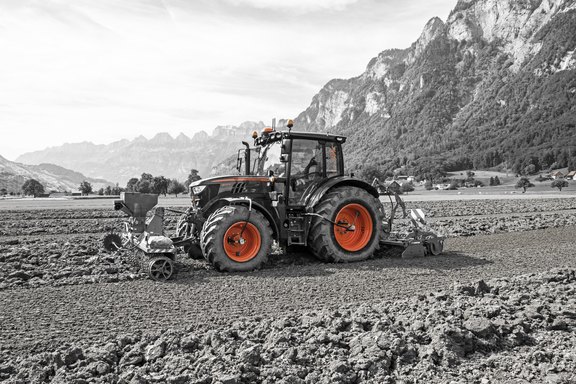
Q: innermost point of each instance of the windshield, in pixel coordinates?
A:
(269, 160)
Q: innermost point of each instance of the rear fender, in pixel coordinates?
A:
(335, 182)
(254, 205)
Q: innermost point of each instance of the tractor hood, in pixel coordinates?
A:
(205, 190)
(230, 179)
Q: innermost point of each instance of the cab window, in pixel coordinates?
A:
(332, 152)
(306, 167)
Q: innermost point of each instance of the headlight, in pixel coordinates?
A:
(198, 189)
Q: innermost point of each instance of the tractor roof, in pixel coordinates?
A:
(271, 136)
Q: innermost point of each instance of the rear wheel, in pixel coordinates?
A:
(236, 240)
(351, 226)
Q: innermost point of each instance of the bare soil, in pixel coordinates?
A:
(60, 292)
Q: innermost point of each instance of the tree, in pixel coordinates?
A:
(132, 184)
(492, 181)
(371, 172)
(33, 187)
(496, 180)
(428, 185)
(143, 186)
(559, 183)
(85, 187)
(175, 187)
(3, 191)
(101, 192)
(146, 176)
(530, 169)
(116, 190)
(407, 187)
(193, 176)
(160, 185)
(108, 190)
(541, 178)
(524, 183)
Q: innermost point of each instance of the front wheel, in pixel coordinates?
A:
(350, 227)
(235, 239)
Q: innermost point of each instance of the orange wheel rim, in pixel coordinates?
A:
(354, 227)
(242, 242)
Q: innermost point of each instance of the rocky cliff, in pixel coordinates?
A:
(160, 155)
(493, 85)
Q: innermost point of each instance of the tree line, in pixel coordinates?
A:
(147, 183)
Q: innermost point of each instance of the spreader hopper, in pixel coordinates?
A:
(136, 205)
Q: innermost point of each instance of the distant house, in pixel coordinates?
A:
(557, 175)
(571, 175)
(393, 186)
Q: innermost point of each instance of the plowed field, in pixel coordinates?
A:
(60, 291)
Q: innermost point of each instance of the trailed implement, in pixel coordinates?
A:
(144, 237)
(292, 190)
(418, 239)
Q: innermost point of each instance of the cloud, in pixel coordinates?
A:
(296, 6)
(75, 70)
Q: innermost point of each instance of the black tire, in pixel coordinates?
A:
(182, 227)
(227, 220)
(322, 238)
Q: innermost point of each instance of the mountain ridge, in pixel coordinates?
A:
(53, 177)
(489, 87)
(492, 86)
(162, 154)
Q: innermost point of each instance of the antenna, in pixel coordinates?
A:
(274, 124)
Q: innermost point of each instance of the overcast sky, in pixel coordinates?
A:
(103, 70)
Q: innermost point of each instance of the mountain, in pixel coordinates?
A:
(494, 85)
(54, 178)
(160, 155)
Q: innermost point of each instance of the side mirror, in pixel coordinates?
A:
(270, 173)
(284, 158)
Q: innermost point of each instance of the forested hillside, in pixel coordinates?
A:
(494, 86)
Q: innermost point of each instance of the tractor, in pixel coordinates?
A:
(291, 189)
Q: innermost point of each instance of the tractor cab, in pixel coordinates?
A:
(297, 162)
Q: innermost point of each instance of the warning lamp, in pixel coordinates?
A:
(267, 130)
(254, 134)
(290, 123)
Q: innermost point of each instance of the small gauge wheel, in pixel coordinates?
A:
(160, 268)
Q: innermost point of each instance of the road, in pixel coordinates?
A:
(42, 318)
